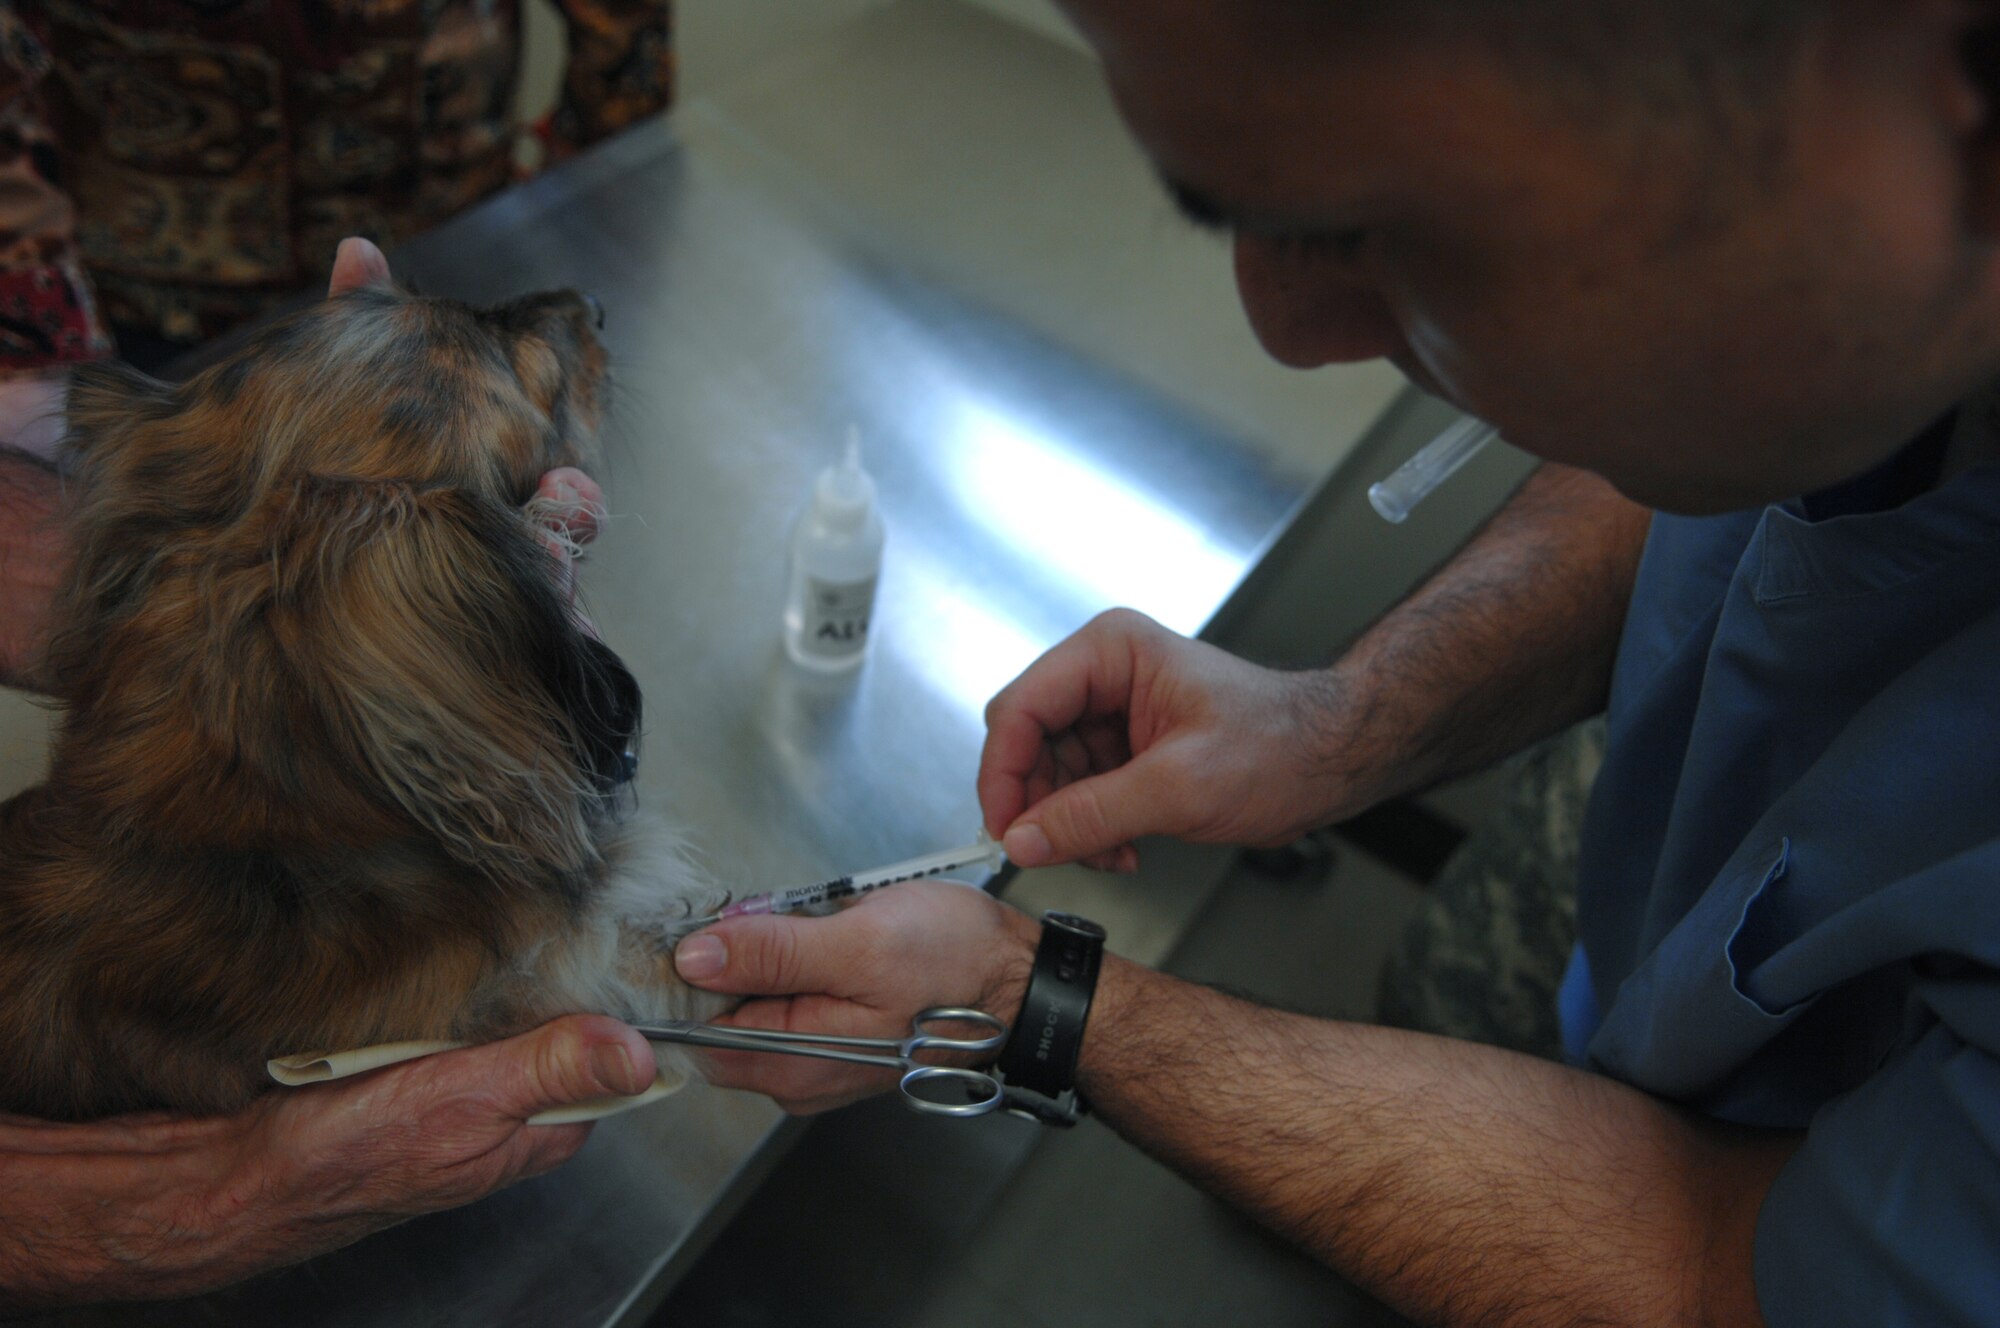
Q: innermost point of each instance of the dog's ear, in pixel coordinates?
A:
(440, 655)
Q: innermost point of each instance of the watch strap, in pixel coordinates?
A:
(1061, 1112)
(1042, 1052)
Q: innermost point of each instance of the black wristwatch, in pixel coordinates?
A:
(1037, 1067)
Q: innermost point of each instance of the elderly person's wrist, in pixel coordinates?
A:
(34, 558)
(31, 411)
(125, 1209)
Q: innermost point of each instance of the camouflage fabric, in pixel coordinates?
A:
(1484, 958)
(216, 151)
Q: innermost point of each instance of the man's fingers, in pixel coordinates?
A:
(769, 956)
(1015, 751)
(1123, 860)
(1085, 679)
(1083, 820)
(799, 1084)
(357, 263)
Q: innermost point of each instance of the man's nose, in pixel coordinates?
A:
(1309, 311)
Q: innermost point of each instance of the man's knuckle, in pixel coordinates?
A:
(997, 706)
(783, 958)
(1115, 620)
(1081, 816)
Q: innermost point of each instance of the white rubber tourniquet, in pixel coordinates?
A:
(323, 1067)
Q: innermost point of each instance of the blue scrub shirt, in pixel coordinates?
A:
(1790, 884)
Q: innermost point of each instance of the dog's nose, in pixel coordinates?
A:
(596, 307)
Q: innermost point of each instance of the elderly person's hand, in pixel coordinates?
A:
(146, 1207)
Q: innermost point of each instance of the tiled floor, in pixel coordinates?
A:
(887, 1219)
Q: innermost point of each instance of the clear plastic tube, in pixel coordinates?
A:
(1434, 463)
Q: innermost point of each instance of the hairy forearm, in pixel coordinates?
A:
(1460, 1183)
(1511, 641)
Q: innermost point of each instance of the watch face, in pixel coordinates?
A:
(1071, 922)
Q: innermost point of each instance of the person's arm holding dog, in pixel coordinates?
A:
(149, 1207)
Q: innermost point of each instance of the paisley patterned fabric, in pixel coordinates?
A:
(47, 316)
(202, 158)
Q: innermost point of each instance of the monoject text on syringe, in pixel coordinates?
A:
(986, 853)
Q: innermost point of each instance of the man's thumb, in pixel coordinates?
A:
(1078, 820)
(767, 956)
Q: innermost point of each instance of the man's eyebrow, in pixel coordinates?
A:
(1203, 209)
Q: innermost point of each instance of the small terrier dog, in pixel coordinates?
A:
(337, 764)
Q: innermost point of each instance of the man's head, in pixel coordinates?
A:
(1719, 253)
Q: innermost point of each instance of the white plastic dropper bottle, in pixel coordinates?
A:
(836, 562)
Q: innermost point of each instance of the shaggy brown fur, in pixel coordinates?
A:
(337, 764)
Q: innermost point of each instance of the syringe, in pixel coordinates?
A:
(986, 853)
(1434, 463)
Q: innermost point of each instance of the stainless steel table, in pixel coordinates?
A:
(1024, 486)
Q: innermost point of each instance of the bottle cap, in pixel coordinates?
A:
(845, 494)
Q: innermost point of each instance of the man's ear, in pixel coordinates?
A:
(1972, 99)
(357, 263)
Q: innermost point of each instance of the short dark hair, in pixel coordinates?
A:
(1643, 51)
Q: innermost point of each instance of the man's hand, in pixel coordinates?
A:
(865, 971)
(1128, 729)
(146, 1207)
